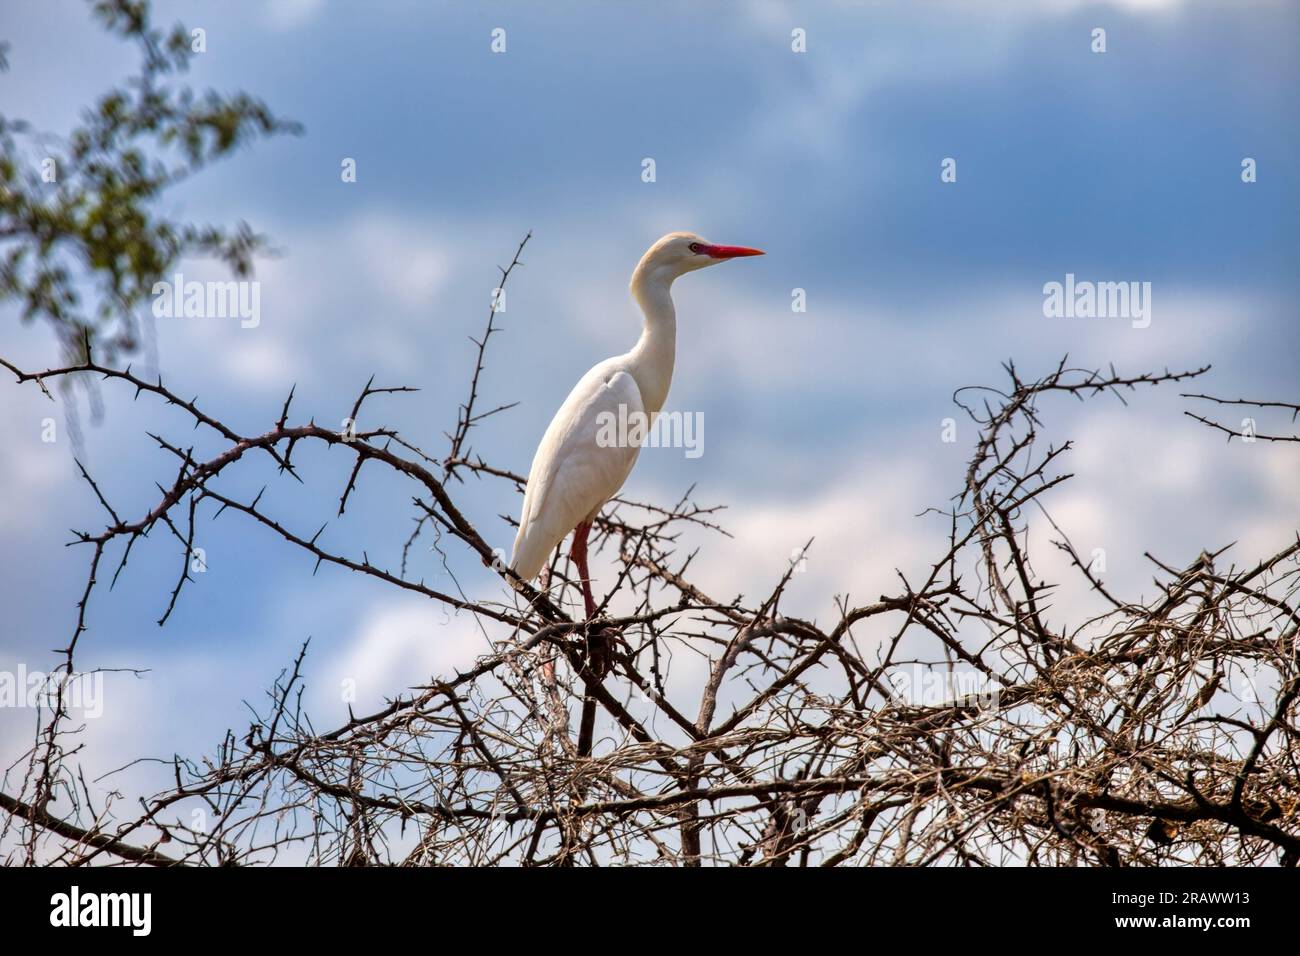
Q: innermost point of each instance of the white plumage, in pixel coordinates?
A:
(573, 474)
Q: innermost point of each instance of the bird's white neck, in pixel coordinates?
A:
(651, 359)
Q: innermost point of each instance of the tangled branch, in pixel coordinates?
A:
(959, 720)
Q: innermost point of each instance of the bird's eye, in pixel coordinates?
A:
(694, 247)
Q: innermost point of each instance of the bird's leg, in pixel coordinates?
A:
(578, 552)
(598, 643)
(548, 653)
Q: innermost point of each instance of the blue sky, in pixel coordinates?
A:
(1117, 166)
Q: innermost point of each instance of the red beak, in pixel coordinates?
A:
(729, 252)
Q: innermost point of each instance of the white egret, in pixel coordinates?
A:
(574, 472)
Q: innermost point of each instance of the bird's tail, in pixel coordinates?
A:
(523, 561)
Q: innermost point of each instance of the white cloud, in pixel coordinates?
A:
(399, 257)
(288, 14)
(399, 644)
(348, 297)
(34, 472)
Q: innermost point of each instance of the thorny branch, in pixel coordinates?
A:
(1247, 430)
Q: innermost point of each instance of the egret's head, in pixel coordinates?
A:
(681, 252)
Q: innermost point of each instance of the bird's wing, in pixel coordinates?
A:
(573, 473)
